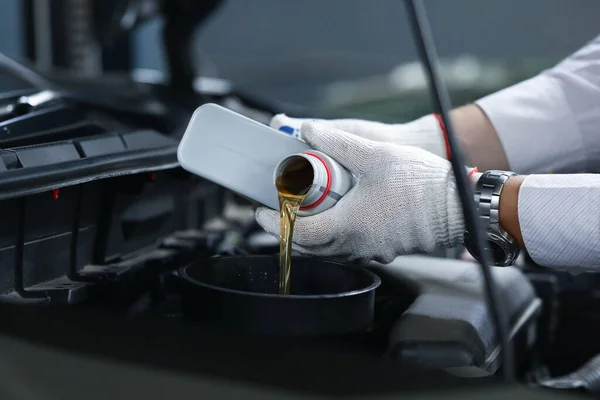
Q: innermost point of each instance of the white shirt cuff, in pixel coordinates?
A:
(559, 215)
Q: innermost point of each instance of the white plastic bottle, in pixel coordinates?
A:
(242, 155)
(330, 181)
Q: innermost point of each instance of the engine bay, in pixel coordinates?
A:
(99, 220)
(101, 227)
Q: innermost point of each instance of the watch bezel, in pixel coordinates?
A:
(506, 245)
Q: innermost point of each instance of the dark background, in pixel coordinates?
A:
(288, 49)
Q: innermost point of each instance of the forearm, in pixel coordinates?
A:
(531, 128)
(536, 127)
(547, 123)
(478, 138)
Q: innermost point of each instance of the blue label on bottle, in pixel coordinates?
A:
(287, 129)
(294, 132)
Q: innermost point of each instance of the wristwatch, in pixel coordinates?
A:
(501, 246)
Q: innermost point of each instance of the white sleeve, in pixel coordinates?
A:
(551, 122)
(559, 217)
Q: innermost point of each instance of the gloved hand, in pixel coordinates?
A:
(404, 201)
(425, 132)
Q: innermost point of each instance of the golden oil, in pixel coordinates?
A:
(292, 184)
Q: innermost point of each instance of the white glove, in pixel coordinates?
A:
(425, 132)
(404, 201)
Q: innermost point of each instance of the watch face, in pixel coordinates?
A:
(498, 253)
(503, 253)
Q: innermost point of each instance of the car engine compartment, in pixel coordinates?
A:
(98, 218)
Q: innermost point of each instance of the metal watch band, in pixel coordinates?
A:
(487, 198)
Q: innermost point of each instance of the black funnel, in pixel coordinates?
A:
(241, 293)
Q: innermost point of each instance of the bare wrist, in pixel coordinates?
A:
(508, 208)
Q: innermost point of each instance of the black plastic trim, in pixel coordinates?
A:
(22, 182)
